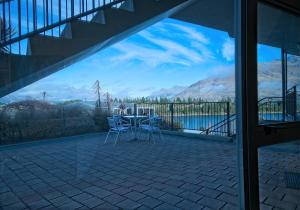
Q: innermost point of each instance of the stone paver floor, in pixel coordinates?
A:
(176, 173)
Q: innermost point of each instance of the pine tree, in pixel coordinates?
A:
(6, 31)
(97, 89)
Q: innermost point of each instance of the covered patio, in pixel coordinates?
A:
(175, 173)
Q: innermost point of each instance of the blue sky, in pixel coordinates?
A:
(167, 54)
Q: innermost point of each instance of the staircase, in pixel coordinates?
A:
(270, 110)
(79, 38)
(226, 127)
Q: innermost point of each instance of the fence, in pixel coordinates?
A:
(190, 116)
(270, 109)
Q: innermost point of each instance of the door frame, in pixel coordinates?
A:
(250, 135)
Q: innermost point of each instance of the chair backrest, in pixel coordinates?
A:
(117, 118)
(129, 111)
(111, 122)
(155, 121)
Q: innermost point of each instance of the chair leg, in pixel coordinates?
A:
(149, 134)
(131, 129)
(160, 136)
(140, 134)
(117, 137)
(106, 137)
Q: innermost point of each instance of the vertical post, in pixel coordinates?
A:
(66, 9)
(59, 16)
(19, 23)
(27, 16)
(228, 118)
(246, 102)
(72, 8)
(284, 82)
(135, 109)
(1, 24)
(51, 5)
(64, 117)
(295, 102)
(172, 115)
(47, 13)
(34, 14)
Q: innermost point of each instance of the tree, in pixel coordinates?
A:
(6, 32)
(97, 89)
(108, 101)
(44, 95)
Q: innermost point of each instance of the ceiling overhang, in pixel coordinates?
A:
(276, 28)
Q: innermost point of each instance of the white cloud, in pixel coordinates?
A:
(174, 48)
(160, 50)
(191, 33)
(228, 50)
(150, 56)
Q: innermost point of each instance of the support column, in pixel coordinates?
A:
(246, 102)
(284, 82)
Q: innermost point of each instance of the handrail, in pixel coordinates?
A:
(226, 123)
(219, 124)
(185, 103)
(269, 98)
(292, 89)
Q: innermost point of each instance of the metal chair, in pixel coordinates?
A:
(114, 127)
(151, 125)
(125, 123)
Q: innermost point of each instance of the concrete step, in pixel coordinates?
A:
(57, 46)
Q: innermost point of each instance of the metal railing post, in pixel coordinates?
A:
(228, 118)
(19, 23)
(172, 115)
(135, 109)
(295, 103)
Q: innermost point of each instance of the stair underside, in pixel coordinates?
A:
(80, 39)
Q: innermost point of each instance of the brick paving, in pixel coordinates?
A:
(176, 173)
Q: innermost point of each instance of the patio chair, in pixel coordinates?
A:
(125, 123)
(151, 125)
(114, 127)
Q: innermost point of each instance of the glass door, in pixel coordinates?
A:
(267, 80)
(278, 66)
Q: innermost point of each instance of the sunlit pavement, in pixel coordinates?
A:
(174, 173)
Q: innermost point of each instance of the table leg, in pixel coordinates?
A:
(135, 127)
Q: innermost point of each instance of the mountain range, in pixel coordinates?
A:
(216, 88)
(211, 88)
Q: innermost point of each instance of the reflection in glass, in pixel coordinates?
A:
(278, 65)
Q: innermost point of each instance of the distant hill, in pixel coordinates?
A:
(168, 92)
(269, 78)
(210, 89)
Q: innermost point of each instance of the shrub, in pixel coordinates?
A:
(37, 120)
(100, 119)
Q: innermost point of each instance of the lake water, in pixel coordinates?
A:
(206, 121)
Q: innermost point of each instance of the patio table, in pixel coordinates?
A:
(135, 119)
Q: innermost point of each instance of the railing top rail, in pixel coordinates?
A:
(221, 123)
(183, 103)
(292, 89)
(269, 98)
